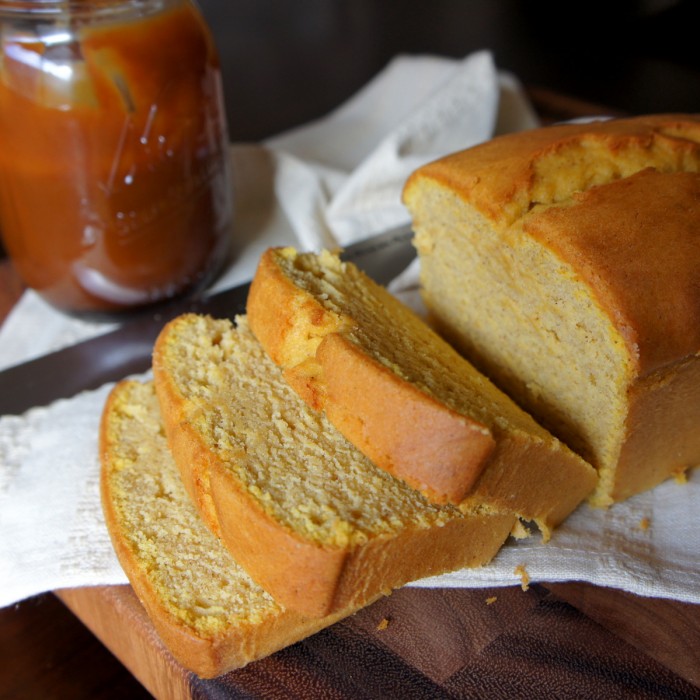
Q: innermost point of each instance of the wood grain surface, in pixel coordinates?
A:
(417, 643)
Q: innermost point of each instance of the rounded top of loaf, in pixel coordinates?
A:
(636, 243)
(504, 177)
(617, 201)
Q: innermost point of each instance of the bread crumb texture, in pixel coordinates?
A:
(286, 456)
(191, 572)
(397, 338)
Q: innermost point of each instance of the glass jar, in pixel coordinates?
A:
(115, 186)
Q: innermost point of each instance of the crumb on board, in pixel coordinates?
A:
(491, 600)
(383, 624)
(524, 577)
(644, 524)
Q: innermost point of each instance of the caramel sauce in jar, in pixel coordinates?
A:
(115, 187)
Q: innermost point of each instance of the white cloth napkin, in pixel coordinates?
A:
(332, 182)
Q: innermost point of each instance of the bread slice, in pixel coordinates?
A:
(205, 608)
(311, 519)
(404, 396)
(581, 247)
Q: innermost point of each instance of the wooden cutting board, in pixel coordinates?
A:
(418, 643)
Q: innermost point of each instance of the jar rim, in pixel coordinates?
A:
(78, 8)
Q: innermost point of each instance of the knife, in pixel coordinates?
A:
(127, 350)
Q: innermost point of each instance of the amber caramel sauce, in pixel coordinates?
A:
(114, 182)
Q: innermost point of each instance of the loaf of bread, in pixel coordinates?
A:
(205, 608)
(565, 263)
(310, 518)
(405, 397)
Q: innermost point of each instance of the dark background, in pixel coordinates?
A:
(288, 61)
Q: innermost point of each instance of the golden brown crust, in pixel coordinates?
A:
(318, 580)
(399, 427)
(463, 542)
(523, 470)
(661, 430)
(621, 236)
(300, 574)
(502, 177)
(289, 325)
(273, 290)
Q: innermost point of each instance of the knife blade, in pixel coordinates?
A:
(127, 350)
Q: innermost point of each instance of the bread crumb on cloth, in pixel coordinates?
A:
(681, 476)
(524, 576)
(521, 531)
